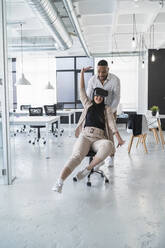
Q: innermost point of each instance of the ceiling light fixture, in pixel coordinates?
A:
(133, 32)
(153, 58)
(22, 80)
(142, 50)
(49, 86)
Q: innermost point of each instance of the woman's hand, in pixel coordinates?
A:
(119, 139)
(84, 69)
(120, 142)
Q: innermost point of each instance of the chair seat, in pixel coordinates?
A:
(91, 153)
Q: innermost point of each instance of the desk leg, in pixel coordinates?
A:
(74, 116)
(69, 125)
(58, 138)
(161, 134)
(47, 141)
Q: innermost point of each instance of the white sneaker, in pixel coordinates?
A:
(81, 174)
(57, 187)
(109, 161)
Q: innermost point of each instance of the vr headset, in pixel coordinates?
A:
(100, 92)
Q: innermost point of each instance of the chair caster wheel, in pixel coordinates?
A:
(33, 143)
(106, 181)
(89, 184)
(74, 179)
(29, 141)
(44, 142)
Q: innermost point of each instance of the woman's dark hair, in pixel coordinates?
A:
(102, 63)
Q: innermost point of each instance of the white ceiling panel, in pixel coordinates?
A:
(94, 7)
(160, 18)
(97, 30)
(128, 19)
(97, 19)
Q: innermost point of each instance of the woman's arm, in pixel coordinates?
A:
(119, 139)
(113, 127)
(84, 69)
(83, 96)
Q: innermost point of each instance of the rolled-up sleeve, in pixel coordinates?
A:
(90, 88)
(110, 119)
(83, 97)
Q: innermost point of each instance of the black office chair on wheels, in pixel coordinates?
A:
(91, 154)
(38, 111)
(50, 110)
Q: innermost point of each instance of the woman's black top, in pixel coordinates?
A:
(95, 116)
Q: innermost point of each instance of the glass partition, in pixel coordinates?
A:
(4, 130)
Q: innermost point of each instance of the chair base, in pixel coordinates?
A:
(100, 172)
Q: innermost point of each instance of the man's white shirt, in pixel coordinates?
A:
(112, 84)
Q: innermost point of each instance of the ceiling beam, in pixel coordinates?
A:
(151, 19)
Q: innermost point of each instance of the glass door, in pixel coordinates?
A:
(6, 173)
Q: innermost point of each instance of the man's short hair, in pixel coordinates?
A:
(102, 63)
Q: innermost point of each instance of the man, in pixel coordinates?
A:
(109, 82)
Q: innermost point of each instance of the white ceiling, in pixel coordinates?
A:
(106, 25)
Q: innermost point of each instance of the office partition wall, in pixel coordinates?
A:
(5, 158)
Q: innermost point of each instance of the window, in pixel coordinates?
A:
(68, 73)
(65, 86)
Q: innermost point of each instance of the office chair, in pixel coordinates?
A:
(50, 110)
(138, 124)
(59, 105)
(153, 125)
(91, 154)
(25, 107)
(38, 111)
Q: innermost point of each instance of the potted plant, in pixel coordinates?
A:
(154, 110)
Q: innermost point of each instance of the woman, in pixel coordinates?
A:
(94, 130)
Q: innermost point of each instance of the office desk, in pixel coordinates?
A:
(68, 113)
(39, 120)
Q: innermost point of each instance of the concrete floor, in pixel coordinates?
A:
(127, 213)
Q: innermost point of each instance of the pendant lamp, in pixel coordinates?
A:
(22, 80)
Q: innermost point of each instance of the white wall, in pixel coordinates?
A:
(38, 70)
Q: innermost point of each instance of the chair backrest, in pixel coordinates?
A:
(59, 105)
(25, 107)
(50, 109)
(138, 123)
(151, 120)
(38, 111)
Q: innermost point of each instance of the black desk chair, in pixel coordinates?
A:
(60, 105)
(91, 154)
(25, 107)
(50, 110)
(38, 111)
(138, 124)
